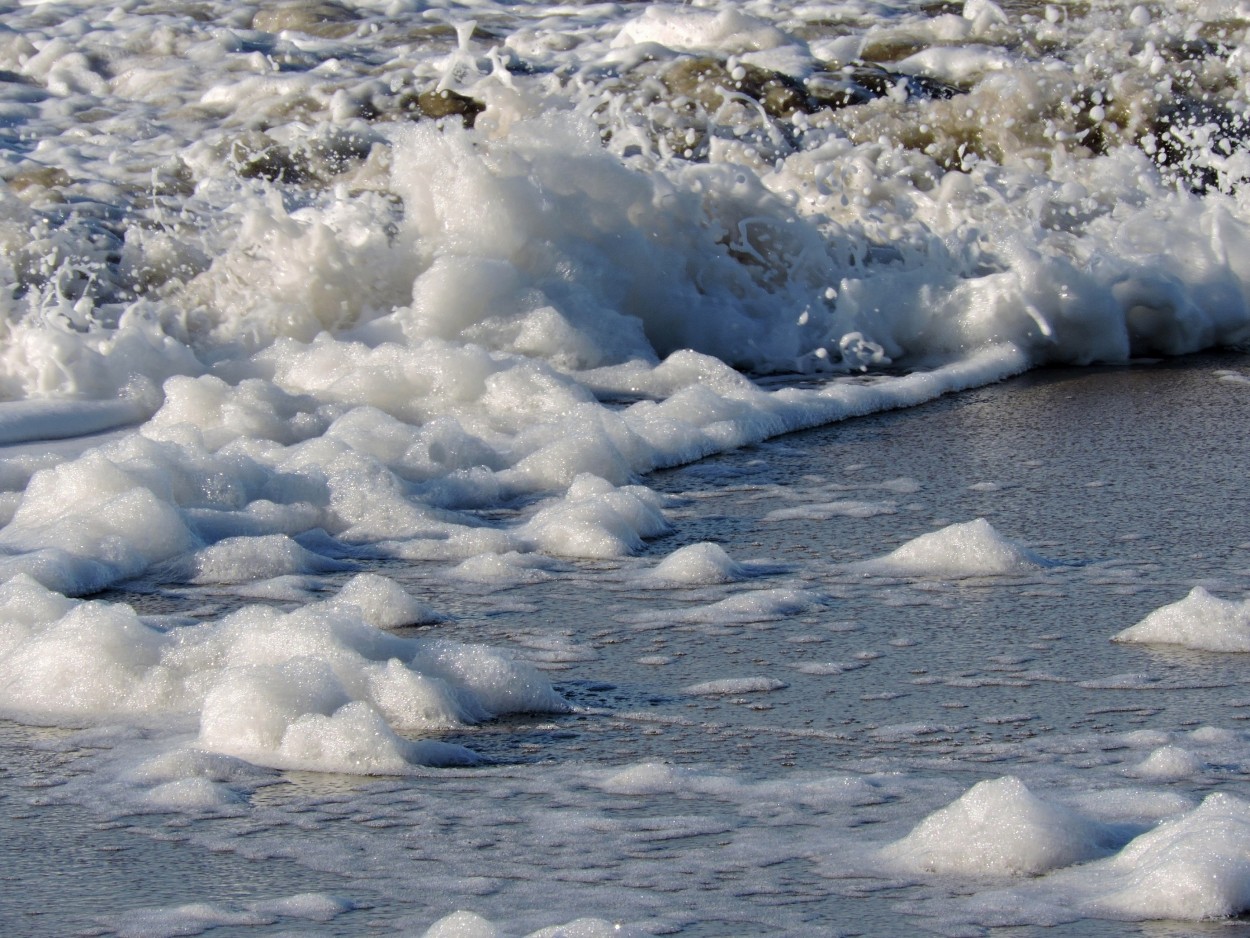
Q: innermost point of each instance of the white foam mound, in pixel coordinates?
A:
(244, 559)
(1199, 621)
(1193, 867)
(698, 565)
(462, 925)
(972, 548)
(1168, 763)
(998, 827)
(86, 523)
(596, 519)
(757, 606)
(503, 570)
(319, 688)
(384, 603)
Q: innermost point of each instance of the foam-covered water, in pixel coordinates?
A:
(343, 343)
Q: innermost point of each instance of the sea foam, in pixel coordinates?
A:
(999, 827)
(1200, 621)
(317, 688)
(1191, 867)
(351, 285)
(969, 549)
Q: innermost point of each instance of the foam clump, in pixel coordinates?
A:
(1192, 867)
(188, 763)
(271, 717)
(496, 681)
(596, 520)
(998, 827)
(384, 603)
(96, 659)
(312, 906)
(84, 524)
(970, 549)
(25, 604)
(192, 918)
(244, 559)
(823, 511)
(1168, 763)
(1199, 621)
(319, 688)
(502, 570)
(746, 608)
(462, 924)
(697, 565)
(209, 412)
(765, 605)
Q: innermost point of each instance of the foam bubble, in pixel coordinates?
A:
(1168, 763)
(503, 570)
(969, 549)
(1200, 621)
(998, 827)
(697, 564)
(241, 559)
(1192, 867)
(384, 603)
(462, 925)
(596, 520)
(318, 688)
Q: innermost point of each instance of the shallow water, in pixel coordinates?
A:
(929, 686)
(69, 866)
